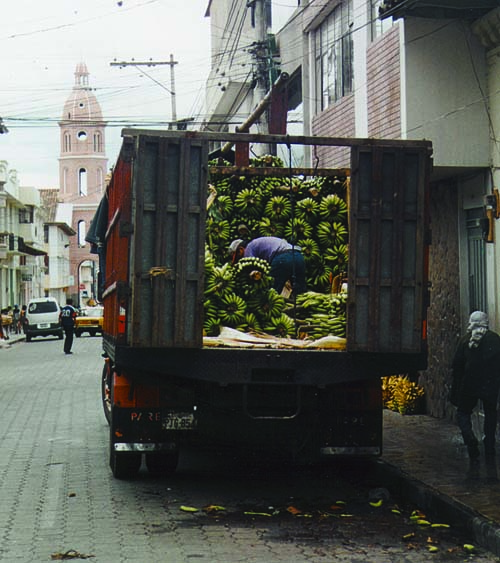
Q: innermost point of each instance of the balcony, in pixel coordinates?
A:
(16, 245)
(4, 245)
(451, 9)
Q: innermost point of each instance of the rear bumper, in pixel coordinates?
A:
(53, 330)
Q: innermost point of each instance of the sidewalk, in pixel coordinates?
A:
(426, 460)
(13, 338)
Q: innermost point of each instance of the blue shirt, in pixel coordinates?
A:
(67, 316)
(267, 247)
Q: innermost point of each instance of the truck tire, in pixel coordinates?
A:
(28, 338)
(106, 391)
(124, 465)
(162, 464)
(78, 333)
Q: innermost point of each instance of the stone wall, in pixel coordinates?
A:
(444, 311)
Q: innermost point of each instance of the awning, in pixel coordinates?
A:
(96, 235)
(451, 9)
(28, 249)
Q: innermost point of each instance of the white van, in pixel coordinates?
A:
(42, 318)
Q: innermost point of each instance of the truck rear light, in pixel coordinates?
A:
(127, 393)
(123, 393)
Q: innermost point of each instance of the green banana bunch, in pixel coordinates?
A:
(251, 274)
(248, 201)
(333, 208)
(278, 207)
(269, 228)
(219, 281)
(282, 326)
(307, 209)
(311, 213)
(232, 309)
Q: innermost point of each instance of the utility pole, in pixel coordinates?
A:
(261, 18)
(171, 91)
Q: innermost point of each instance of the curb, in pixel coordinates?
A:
(12, 340)
(484, 532)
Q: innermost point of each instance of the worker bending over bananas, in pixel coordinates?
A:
(286, 260)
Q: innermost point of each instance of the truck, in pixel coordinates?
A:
(164, 389)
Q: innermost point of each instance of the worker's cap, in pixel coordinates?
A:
(233, 247)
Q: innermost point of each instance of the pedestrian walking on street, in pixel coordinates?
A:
(6, 322)
(67, 318)
(16, 316)
(23, 321)
(476, 377)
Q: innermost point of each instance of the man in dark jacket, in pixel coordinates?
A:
(476, 377)
(67, 318)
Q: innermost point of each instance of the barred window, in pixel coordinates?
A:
(26, 214)
(334, 56)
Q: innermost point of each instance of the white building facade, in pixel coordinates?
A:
(22, 253)
(57, 236)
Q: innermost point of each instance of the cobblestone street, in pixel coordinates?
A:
(59, 498)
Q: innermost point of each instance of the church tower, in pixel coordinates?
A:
(82, 172)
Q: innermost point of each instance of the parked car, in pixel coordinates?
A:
(42, 318)
(89, 319)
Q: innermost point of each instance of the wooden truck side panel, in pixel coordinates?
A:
(389, 230)
(167, 249)
(160, 239)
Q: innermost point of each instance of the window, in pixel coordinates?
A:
(378, 26)
(43, 307)
(81, 233)
(100, 185)
(477, 259)
(334, 56)
(67, 142)
(97, 142)
(65, 180)
(82, 182)
(82, 135)
(46, 234)
(26, 214)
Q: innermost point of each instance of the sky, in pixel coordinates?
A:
(42, 42)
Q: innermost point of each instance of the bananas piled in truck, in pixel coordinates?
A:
(308, 212)
(320, 314)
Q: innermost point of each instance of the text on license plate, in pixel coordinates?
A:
(179, 421)
(44, 325)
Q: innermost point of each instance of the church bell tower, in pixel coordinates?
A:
(82, 173)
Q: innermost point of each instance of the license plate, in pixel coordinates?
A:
(179, 421)
(44, 325)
